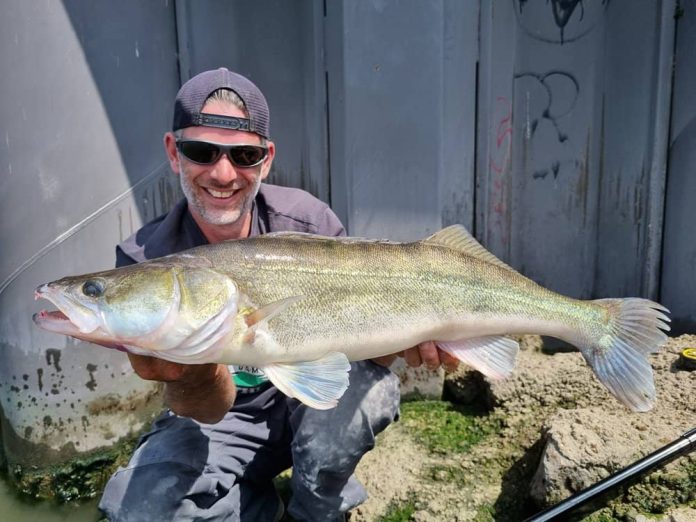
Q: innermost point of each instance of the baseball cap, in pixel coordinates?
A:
(193, 94)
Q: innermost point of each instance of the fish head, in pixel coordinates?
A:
(152, 306)
(122, 303)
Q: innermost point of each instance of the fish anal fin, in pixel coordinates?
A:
(267, 312)
(458, 238)
(319, 384)
(494, 356)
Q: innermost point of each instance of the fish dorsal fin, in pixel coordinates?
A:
(458, 238)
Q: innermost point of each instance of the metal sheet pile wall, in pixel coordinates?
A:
(542, 126)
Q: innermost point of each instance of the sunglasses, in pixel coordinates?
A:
(208, 153)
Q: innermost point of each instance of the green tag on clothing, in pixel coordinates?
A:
(247, 376)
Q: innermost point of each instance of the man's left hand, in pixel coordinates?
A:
(425, 353)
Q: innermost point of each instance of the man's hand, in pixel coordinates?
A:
(204, 392)
(153, 369)
(425, 353)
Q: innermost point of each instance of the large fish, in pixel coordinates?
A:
(300, 307)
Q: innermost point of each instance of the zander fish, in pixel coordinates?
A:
(300, 307)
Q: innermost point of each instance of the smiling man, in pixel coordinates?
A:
(228, 431)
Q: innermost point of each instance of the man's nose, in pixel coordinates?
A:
(223, 171)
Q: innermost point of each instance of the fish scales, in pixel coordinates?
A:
(354, 292)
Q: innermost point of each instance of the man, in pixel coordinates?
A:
(214, 453)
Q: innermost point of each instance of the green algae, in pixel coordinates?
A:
(80, 478)
(445, 428)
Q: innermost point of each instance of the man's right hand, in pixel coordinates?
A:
(204, 392)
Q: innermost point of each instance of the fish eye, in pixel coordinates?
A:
(93, 288)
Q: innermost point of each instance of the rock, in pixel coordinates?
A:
(467, 386)
(419, 382)
(684, 514)
(584, 446)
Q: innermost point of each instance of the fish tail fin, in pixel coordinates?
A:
(618, 349)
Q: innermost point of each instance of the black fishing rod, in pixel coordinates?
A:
(584, 502)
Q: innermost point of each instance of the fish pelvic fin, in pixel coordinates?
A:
(319, 384)
(618, 353)
(456, 237)
(494, 355)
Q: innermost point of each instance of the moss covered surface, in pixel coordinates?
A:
(78, 479)
(400, 511)
(444, 427)
(654, 495)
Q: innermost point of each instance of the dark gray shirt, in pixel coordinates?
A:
(275, 209)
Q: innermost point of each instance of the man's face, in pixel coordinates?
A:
(222, 193)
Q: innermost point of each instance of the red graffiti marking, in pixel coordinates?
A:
(500, 156)
(499, 161)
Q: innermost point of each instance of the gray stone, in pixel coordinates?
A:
(419, 382)
(584, 446)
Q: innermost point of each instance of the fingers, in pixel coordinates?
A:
(429, 355)
(450, 362)
(385, 360)
(412, 357)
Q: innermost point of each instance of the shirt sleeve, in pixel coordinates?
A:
(123, 259)
(330, 225)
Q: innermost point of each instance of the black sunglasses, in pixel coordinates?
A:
(208, 153)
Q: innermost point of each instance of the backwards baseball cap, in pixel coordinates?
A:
(193, 94)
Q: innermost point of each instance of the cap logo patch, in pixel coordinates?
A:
(225, 122)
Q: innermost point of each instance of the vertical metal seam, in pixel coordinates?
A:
(183, 56)
(660, 145)
(672, 73)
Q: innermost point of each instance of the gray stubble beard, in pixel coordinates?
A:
(226, 217)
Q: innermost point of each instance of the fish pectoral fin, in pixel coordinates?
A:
(458, 238)
(494, 355)
(267, 312)
(318, 384)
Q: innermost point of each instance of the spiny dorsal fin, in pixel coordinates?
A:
(458, 238)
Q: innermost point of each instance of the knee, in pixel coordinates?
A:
(337, 438)
(376, 394)
(146, 492)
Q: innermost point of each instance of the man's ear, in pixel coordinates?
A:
(172, 153)
(266, 165)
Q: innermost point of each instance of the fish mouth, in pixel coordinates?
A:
(71, 318)
(58, 322)
(54, 321)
